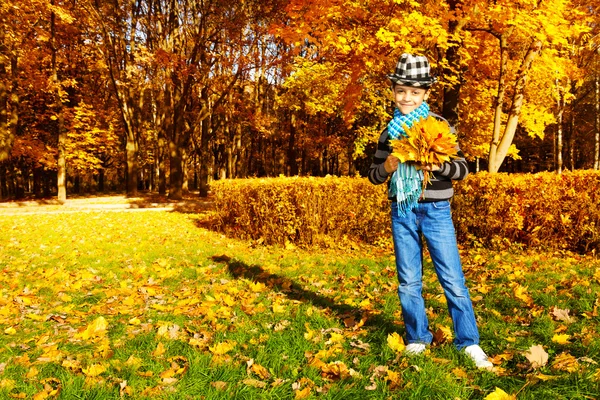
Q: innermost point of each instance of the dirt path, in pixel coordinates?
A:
(121, 203)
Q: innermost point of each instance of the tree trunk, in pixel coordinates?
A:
(132, 165)
(492, 167)
(9, 100)
(572, 141)
(62, 133)
(517, 101)
(175, 171)
(597, 126)
(293, 164)
(452, 92)
(560, 108)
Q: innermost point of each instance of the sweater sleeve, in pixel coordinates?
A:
(456, 169)
(377, 173)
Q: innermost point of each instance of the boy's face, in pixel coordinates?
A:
(408, 98)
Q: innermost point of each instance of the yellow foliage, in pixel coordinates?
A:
(499, 394)
(395, 342)
(306, 212)
(539, 210)
(94, 330)
(428, 142)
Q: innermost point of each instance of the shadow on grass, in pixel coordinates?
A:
(347, 314)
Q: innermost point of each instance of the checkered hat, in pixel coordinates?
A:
(412, 70)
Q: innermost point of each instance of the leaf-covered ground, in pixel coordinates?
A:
(110, 305)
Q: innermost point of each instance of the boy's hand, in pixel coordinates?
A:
(391, 164)
(429, 167)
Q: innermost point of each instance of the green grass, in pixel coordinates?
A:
(190, 311)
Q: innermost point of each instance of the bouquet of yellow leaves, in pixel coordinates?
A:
(428, 142)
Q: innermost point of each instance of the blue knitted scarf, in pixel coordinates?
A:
(406, 184)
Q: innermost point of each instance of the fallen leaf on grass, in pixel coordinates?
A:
(52, 388)
(160, 350)
(395, 342)
(561, 339)
(94, 330)
(94, 370)
(302, 394)
(255, 383)
(537, 356)
(257, 369)
(499, 394)
(222, 348)
(219, 385)
(565, 362)
(460, 373)
(562, 315)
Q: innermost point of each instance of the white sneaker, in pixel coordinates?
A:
(478, 356)
(413, 349)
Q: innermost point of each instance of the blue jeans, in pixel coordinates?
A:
(433, 222)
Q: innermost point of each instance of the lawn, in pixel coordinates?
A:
(151, 304)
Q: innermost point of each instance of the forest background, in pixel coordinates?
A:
(169, 95)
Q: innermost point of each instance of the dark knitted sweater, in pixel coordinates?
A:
(440, 187)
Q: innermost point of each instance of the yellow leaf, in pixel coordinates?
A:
(302, 394)
(64, 297)
(7, 384)
(222, 348)
(94, 370)
(160, 350)
(95, 329)
(32, 373)
(278, 308)
(395, 342)
(260, 371)
(10, 330)
(335, 338)
(309, 334)
(561, 339)
(565, 362)
(133, 361)
(135, 321)
(499, 394)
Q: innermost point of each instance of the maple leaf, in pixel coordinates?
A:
(302, 393)
(537, 356)
(562, 315)
(94, 370)
(561, 339)
(395, 342)
(565, 362)
(257, 369)
(94, 330)
(428, 142)
(160, 349)
(222, 348)
(499, 394)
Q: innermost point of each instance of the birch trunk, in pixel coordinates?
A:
(517, 101)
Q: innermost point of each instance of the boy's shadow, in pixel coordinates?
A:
(296, 292)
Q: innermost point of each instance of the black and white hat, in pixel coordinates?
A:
(412, 70)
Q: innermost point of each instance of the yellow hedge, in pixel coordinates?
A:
(303, 211)
(536, 210)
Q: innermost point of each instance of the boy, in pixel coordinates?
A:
(417, 216)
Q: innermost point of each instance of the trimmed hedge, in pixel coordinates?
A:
(536, 210)
(303, 211)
